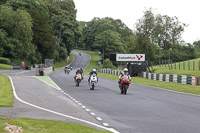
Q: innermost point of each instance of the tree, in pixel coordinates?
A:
(43, 34)
(109, 42)
(16, 33)
(157, 30)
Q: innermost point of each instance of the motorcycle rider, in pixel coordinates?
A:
(92, 72)
(78, 72)
(82, 73)
(122, 74)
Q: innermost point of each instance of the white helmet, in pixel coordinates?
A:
(94, 70)
(125, 70)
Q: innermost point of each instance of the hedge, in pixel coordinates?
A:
(4, 60)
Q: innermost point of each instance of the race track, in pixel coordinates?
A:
(143, 110)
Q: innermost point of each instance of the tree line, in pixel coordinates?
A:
(33, 30)
(37, 29)
(154, 35)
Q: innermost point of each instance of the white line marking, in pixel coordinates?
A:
(54, 83)
(79, 103)
(87, 110)
(47, 83)
(106, 124)
(76, 101)
(57, 113)
(92, 113)
(98, 118)
(83, 107)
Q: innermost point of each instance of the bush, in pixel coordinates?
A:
(4, 60)
(108, 64)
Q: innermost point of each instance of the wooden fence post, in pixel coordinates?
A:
(188, 65)
(184, 65)
(193, 65)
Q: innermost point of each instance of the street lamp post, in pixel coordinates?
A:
(169, 56)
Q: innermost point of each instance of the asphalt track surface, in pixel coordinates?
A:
(144, 109)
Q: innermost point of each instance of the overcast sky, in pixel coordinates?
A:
(129, 11)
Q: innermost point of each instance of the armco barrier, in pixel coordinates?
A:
(190, 80)
(183, 79)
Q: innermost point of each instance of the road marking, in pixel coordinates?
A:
(57, 113)
(87, 110)
(98, 118)
(79, 103)
(106, 124)
(76, 101)
(58, 88)
(92, 113)
(83, 107)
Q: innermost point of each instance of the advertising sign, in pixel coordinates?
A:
(130, 57)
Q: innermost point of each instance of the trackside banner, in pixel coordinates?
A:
(130, 57)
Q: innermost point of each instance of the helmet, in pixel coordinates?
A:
(94, 70)
(125, 70)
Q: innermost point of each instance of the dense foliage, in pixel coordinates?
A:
(34, 30)
(155, 35)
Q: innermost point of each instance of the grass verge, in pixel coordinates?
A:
(139, 80)
(5, 67)
(46, 126)
(63, 63)
(6, 95)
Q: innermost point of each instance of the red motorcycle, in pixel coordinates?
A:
(124, 84)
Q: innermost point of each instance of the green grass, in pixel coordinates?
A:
(63, 63)
(6, 95)
(47, 80)
(93, 62)
(5, 67)
(192, 70)
(46, 126)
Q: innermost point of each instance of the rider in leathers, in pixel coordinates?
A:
(92, 72)
(122, 74)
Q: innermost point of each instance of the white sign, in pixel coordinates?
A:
(130, 57)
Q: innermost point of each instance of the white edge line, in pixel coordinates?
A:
(47, 83)
(54, 83)
(54, 112)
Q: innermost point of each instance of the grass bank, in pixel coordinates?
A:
(189, 67)
(6, 95)
(139, 80)
(46, 126)
(5, 67)
(63, 63)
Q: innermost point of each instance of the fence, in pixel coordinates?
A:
(192, 65)
(184, 79)
(109, 71)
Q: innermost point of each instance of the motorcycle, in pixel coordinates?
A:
(93, 81)
(78, 79)
(124, 84)
(68, 70)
